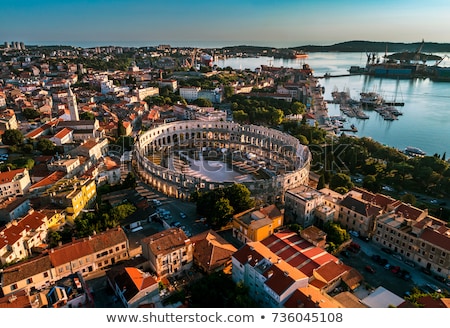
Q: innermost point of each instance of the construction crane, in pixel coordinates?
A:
(418, 51)
(440, 60)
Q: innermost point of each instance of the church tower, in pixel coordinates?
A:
(73, 107)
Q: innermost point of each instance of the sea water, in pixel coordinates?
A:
(425, 122)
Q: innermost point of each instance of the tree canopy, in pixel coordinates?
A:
(220, 204)
(12, 137)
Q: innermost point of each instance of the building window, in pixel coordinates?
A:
(29, 281)
(45, 274)
(13, 286)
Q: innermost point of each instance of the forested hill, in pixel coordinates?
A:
(348, 46)
(371, 46)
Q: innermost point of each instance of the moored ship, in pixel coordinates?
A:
(414, 151)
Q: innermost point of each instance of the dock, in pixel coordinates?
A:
(393, 103)
(326, 76)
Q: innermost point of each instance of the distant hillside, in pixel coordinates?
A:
(371, 46)
(348, 46)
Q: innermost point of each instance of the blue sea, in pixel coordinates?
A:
(425, 122)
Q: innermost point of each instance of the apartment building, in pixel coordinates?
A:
(84, 255)
(133, 287)
(14, 183)
(19, 237)
(170, 83)
(301, 204)
(420, 239)
(70, 166)
(8, 120)
(271, 281)
(142, 93)
(256, 224)
(212, 252)
(189, 93)
(73, 195)
(62, 137)
(285, 269)
(13, 208)
(168, 252)
(358, 214)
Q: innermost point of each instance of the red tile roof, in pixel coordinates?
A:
(49, 180)
(8, 176)
(297, 251)
(62, 133)
(86, 246)
(18, 229)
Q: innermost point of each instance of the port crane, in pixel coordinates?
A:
(440, 60)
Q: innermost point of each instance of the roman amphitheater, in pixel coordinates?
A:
(181, 157)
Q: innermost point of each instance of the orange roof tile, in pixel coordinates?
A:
(8, 176)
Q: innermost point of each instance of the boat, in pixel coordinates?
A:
(299, 55)
(371, 99)
(414, 151)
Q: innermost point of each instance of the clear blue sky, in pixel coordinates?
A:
(283, 22)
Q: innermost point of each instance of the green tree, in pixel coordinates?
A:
(25, 162)
(87, 116)
(12, 137)
(202, 102)
(228, 91)
(221, 212)
(335, 233)
(129, 181)
(46, 146)
(218, 290)
(121, 212)
(240, 116)
(31, 113)
(298, 108)
(371, 183)
(409, 199)
(240, 197)
(53, 237)
(341, 180)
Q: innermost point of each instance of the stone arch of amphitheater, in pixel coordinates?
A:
(181, 157)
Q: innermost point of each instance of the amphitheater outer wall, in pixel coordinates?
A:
(275, 147)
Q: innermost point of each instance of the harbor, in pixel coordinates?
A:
(423, 102)
(368, 101)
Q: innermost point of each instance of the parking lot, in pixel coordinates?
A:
(389, 269)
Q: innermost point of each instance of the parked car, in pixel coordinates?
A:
(387, 250)
(395, 269)
(387, 266)
(405, 275)
(368, 268)
(354, 233)
(398, 256)
(176, 224)
(383, 261)
(426, 271)
(410, 263)
(355, 246)
(440, 278)
(353, 249)
(376, 257)
(434, 288)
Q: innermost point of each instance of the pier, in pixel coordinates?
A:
(326, 75)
